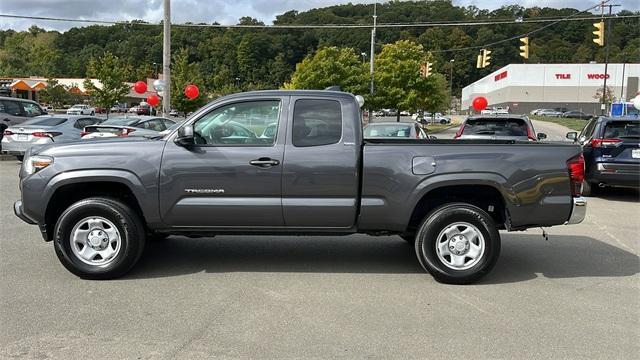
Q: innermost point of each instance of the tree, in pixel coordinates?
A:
(184, 73)
(331, 66)
(54, 94)
(609, 96)
(112, 73)
(398, 83)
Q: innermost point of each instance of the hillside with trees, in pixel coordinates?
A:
(232, 59)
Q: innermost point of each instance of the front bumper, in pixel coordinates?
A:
(578, 211)
(17, 209)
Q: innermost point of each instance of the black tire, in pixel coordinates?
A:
(93, 113)
(441, 218)
(588, 188)
(443, 122)
(20, 157)
(126, 221)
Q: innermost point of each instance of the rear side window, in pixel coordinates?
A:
(82, 123)
(497, 127)
(10, 107)
(400, 130)
(31, 109)
(622, 129)
(316, 123)
(588, 130)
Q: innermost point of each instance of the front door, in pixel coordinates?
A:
(232, 176)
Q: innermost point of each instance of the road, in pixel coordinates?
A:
(576, 295)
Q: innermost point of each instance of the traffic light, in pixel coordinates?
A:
(524, 48)
(483, 59)
(599, 33)
(425, 69)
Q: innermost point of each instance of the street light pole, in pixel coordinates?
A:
(373, 45)
(166, 58)
(603, 106)
(451, 83)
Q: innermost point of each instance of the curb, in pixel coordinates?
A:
(7, 158)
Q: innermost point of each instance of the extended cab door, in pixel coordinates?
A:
(232, 176)
(321, 163)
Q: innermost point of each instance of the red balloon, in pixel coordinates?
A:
(191, 91)
(153, 100)
(480, 103)
(140, 87)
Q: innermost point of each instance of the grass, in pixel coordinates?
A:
(573, 124)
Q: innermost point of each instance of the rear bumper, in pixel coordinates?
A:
(578, 211)
(612, 174)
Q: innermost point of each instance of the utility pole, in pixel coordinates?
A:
(373, 45)
(166, 58)
(451, 83)
(603, 105)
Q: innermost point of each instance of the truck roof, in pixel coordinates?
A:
(291, 93)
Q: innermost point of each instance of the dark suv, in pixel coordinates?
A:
(14, 111)
(611, 148)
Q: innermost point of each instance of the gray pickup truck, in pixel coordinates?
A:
(311, 173)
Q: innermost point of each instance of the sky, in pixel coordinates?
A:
(208, 11)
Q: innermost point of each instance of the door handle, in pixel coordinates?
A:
(264, 162)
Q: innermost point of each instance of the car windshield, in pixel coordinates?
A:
(49, 121)
(497, 127)
(120, 121)
(399, 130)
(622, 129)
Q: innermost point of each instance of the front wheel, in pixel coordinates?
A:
(458, 243)
(99, 238)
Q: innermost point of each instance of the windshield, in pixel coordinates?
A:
(497, 127)
(400, 130)
(120, 121)
(622, 129)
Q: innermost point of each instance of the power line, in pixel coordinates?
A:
(333, 26)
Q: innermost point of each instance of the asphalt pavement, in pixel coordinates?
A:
(576, 295)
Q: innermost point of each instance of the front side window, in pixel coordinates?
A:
(31, 110)
(241, 123)
(316, 123)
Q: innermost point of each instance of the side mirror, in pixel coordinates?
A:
(431, 137)
(542, 136)
(185, 136)
(572, 135)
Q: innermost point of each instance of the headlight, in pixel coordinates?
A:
(33, 164)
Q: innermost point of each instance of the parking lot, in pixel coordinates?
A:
(576, 295)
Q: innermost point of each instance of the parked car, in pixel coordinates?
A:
(81, 109)
(144, 109)
(405, 113)
(512, 127)
(174, 113)
(127, 126)
(14, 111)
(487, 112)
(576, 114)
(319, 176)
(117, 108)
(45, 129)
(611, 148)
(394, 130)
(550, 113)
(133, 110)
(535, 112)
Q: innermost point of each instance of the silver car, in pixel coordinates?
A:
(149, 126)
(394, 130)
(45, 129)
(496, 127)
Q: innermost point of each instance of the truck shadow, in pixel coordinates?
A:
(618, 194)
(524, 257)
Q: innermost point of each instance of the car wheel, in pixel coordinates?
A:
(458, 243)
(93, 113)
(99, 238)
(588, 189)
(443, 122)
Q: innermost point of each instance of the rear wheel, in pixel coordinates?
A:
(99, 238)
(458, 243)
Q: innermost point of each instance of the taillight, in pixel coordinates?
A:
(596, 143)
(459, 132)
(126, 132)
(8, 133)
(49, 134)
(83, 133)
(575, 165)
(530, 134)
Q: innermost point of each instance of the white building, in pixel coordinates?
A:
(524, 87)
